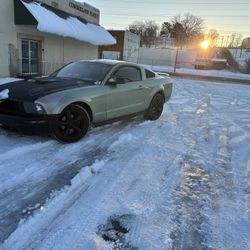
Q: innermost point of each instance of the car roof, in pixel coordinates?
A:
(111, 62)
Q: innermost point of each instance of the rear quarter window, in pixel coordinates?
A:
(149, 74)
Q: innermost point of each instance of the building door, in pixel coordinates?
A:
(30, 56)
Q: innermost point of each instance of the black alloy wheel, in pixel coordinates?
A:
(72, 124)
(156, 107)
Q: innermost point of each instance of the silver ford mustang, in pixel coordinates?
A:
(84, 93)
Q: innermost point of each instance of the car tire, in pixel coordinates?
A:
(155, 108)
(72, 125)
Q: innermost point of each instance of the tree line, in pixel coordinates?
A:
(184, 30)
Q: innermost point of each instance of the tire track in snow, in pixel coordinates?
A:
(195, 230)
(106, 188)
(230, 202)
(159, 214)
(72, 197)
(192, 194)
(28, 202)
(202, 225)
(156, 201)
(27, 194)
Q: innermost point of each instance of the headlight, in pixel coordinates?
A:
(34, 108)
(39, 108)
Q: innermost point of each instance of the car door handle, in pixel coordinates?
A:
(141, 87)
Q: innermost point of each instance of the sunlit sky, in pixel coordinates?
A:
(227, 16)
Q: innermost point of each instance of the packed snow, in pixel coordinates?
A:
(181, 182)
(72, 27)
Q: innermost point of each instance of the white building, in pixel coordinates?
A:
(41, 36)
(126, 48)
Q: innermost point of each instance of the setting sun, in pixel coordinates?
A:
(205, 44)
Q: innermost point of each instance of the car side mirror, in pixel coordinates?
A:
(112, 81)
(116, 80)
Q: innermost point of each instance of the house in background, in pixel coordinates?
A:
(246, 43)
(38, 37)
(126, 48)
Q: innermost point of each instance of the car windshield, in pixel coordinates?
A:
(87, 71)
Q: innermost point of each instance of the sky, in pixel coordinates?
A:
(227, 16)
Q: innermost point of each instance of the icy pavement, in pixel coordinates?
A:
(181, 182)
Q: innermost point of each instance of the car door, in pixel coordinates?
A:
(128, 97)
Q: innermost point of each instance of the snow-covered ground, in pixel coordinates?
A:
(181, 182)
(213, 73)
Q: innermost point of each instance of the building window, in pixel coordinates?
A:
(30, 56)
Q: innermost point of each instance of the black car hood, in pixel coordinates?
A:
(31, 90)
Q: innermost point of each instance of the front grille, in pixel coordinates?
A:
(10, 107)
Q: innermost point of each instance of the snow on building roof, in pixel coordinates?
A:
(72, 27)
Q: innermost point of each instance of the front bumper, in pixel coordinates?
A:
(33, 124)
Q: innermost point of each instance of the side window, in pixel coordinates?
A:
(129, 74)
(149, 74)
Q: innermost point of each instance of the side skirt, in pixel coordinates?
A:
(98, 124)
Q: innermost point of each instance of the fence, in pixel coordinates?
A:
(46, 68)
(161, 62)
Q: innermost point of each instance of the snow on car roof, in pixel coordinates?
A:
(73, 27)
(107, 61)
(110, 61)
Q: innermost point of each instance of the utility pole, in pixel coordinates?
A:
(176, 59)
(222, 41)
(241, 48)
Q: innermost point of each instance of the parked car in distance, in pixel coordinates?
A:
(83, 94)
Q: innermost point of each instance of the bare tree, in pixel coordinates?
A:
(138, 28)
(150, 34)
(174, 30)
(238, 40)
(166, 28)
(147, 30)
(184, 29)
(213, 36)
(235, 40)
(232, 39)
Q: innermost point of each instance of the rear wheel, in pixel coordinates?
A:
(72, 124)
(156, 107)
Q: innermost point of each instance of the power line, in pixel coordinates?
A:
(180, 2)
(157, 15)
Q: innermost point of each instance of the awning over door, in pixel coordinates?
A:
(62, 24)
